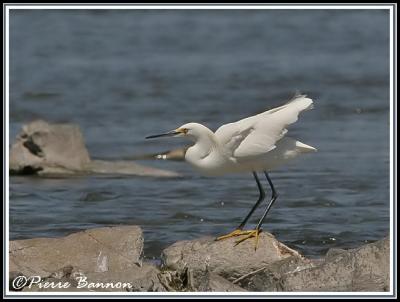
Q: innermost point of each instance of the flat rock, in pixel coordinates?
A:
(225, 259)
(126, 167)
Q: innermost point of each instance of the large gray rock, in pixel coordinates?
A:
(88, 260)
(46, 149)
(195, 265)
(225, 259)
(94, 250)
(49, 148)
(365, 268)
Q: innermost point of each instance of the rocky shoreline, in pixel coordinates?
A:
(111, 259)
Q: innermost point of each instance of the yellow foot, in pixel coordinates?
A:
(250, 234)
(237, 232)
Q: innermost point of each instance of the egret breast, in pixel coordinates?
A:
(212, 164)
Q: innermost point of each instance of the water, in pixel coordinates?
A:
(122, 75)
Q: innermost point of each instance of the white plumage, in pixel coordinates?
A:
(254, 144)
(257, 135)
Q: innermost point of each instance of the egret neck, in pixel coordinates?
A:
(205, 144)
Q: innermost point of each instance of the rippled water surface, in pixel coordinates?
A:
(122, 75)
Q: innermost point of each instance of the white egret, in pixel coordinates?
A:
(254, 144)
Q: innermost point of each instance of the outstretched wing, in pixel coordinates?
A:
(258, 134)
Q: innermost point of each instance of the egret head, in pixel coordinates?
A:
(189, 130)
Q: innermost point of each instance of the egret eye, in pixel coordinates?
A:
(185, 130)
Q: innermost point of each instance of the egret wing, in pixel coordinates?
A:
(258, 134)
(232, 135)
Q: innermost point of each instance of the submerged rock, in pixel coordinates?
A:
(173, 155)
(126, 167)
(176, 154)
(59, 149)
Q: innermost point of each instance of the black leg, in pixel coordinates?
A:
(273, 198)
(256, 232)
(260, 198)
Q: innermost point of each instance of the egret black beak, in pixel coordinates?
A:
(171, 133)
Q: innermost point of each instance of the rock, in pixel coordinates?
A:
(275, 267)
(225, 259)
(126, 167)
(109, 259)
(216, 283)
(94, 250)
(363, 269)
(174, 155)
(135, 279)
(201, 281)
(270, 278)
(101, 259)
(12, 276)
(196, 281)
(47, 149)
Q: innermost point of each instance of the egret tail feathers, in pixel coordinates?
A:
(303, 148)
(302, 102)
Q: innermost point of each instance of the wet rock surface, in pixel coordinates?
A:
(110, 259)
(59, 149)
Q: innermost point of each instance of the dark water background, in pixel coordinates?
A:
(122, 75)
